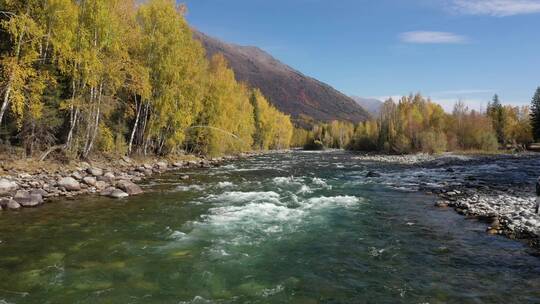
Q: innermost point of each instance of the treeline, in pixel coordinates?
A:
(416, 124)
(114, 76)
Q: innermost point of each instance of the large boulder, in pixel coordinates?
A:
(28, 199)
(7, 186)
(9, 204)
(69, 183)
(129, 187)
(94, 171)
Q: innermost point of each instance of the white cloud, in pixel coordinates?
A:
(499, 8)
(427, 37)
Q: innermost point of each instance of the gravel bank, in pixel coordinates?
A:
(116, 180)
(498, 189)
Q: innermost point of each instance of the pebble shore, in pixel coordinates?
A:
(118, 180)
(501, 194)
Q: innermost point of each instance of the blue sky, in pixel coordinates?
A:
(445, 49)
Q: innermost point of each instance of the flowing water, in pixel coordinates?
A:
(283, 228)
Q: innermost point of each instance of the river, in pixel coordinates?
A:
(293, 227)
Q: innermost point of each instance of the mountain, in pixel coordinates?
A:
(289, 90)
(372, 105)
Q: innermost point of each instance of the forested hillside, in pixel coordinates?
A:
(113, 76)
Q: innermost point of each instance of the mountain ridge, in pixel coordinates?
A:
(291, 91)
(372, 105)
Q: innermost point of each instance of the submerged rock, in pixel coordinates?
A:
(373, 174)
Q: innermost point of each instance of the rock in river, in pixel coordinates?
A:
(129, 187)
(9, 204)
(28, 199)
(373, 174)
(114, 193)
(69, 183)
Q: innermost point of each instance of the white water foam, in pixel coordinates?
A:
(245, 197)
(225, 185)
(183, 188)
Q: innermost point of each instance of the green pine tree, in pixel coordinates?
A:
(535, 114)
(496, 112)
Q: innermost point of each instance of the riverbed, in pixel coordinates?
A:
(294, 227)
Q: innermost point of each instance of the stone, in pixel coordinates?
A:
(373, 174)
(109, 175)
(441, 204)
(90, 181)
(161, 165)
(9, 204)
(28, 200)
(129, 187)
(69, 183)
(117, 193)
(95, 171)
(492, 231)
(39, 191)
(107, 191)
(114, 193)
(184, 177)
(7, 186)
(178, 165)
(100, 185)
(76, 175)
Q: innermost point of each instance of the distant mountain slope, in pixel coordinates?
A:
(289, 90)
(372, 105)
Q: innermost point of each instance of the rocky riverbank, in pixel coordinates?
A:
(497, 189)
(116, 179)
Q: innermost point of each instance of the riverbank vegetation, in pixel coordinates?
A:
(417, 124)
(112, 76)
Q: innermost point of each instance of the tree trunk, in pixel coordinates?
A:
(5, 103)
(138, 107)
(73, 115)
(96, 123)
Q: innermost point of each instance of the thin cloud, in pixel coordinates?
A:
(427, 37)
(464, 92)
(497, 8)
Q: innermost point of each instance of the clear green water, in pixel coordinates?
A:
(287, 228)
